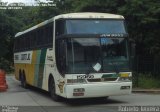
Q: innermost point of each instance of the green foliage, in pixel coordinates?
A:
(142, 18)
(36, 15)
(13, 21)
(6, 65)
(146, 81)
(8, 26)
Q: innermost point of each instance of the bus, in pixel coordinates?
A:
(75, 55)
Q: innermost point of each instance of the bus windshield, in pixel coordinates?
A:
(95, 26)
(90, 55)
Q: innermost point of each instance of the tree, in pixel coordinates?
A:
(142, 18)
(8, 26)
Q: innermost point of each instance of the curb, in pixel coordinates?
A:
(146, 91)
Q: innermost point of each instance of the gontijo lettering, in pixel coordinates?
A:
(25, 56)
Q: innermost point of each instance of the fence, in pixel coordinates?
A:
(148, 66)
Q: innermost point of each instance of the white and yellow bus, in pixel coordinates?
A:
(75, 55)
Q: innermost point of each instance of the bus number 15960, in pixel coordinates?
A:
(85, 76)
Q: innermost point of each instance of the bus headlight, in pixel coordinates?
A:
(125, 77)
(69, 81)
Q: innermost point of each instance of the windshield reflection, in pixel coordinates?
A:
(96, 55)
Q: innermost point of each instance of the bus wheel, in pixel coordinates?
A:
(52, 90)
(23, 81)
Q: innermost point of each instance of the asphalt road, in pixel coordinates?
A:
(35, 100)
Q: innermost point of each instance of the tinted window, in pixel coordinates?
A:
(36, 39)
(60, 27)
(95, 26)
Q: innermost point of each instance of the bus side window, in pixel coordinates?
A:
(50, 34)
(43, 37)
(27, 42)
(16, 45)
(21, 43)
(60, 27)
(39, 37)
(61, 54)
(32, 37)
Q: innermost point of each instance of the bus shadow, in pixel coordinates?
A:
(38, 91)
(93, 101)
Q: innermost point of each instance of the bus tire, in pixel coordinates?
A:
(52, 90)
(23, 81)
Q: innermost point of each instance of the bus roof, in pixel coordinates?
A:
(34, 27)
(89, 15)
(83, 15)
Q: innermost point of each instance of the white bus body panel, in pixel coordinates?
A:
(99, 89)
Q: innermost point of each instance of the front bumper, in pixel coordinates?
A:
(99, 89)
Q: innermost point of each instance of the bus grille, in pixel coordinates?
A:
(101, 79)
(94, 80)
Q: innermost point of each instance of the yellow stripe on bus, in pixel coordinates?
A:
(32, 69)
